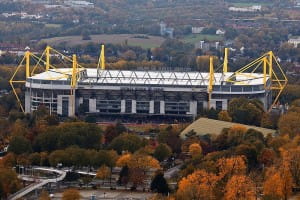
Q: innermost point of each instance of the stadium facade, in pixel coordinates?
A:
(69, 91)
(138, 92)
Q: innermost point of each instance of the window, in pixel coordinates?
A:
(219, 105)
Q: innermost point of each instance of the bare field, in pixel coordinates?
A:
(144, 41)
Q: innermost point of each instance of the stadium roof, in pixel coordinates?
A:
(149, 77)
(204, 126)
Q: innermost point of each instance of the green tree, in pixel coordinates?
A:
(159, 184)
(19, 145)
(162, 152)
(126, 142)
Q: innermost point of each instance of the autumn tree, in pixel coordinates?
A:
(113, 131)
(279, 181)
(224, 116)
(71, 194)
(44, 195)
(289, 124)
(231, 166)
(195, 149)
(198, 185)
(240, 187)
(103, 173)
(267, 157)
(295, 164)
(9, 182)
(138, 165)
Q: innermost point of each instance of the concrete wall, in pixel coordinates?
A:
(151, 107)
(92, 105)
(214, 101)
(27, 102)
(123, 106)
(133, 106)
(162, 107)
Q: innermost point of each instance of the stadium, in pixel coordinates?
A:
(104, 92)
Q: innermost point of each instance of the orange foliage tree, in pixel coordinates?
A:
(240, 187)
(231, 166)
(195, 149)
(279, 181)
(198, 185)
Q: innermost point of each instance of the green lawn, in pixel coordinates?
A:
(52, 25)
(192, 39)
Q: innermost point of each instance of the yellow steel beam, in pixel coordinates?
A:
(27, 55)
(102, 57)
(225, 65)
(270, 63)
(47, 58)
(265, 71)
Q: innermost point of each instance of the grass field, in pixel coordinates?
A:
(192, 39)
(131, 39)
(52, 25)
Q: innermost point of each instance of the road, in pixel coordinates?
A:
(38, 182)
(172, 171)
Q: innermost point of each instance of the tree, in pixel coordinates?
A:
(19, 145)
(124, 176)
(58, 156)
(266, 121)
(159, 184)
(246, 111)
(236, 134)
(124, 160)
(171, 137)
(240, 187)
(289, 124)
(224, 116)
(9, 182)
(195, 149)
(267, 157)
(44, 195)
(138, 165)
(162, 152)
(279, 181)
(113, 131)
(103, 172)
(295, 164)
(198, 185)
(273, 186)
(126, 142)
(231, 166)
(71, 194)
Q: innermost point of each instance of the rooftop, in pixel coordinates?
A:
(205, 126)
(194, 78)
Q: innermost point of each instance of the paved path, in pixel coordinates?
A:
(110, 195)
(172, 171)
(38, 182)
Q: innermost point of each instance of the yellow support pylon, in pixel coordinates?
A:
(47, 58)
(225, 64)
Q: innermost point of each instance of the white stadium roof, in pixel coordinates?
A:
(89, 75)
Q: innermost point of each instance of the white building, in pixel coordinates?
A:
(197, 30)
(79, 4)
(295, 41)
(254, 8)
(220, 32)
